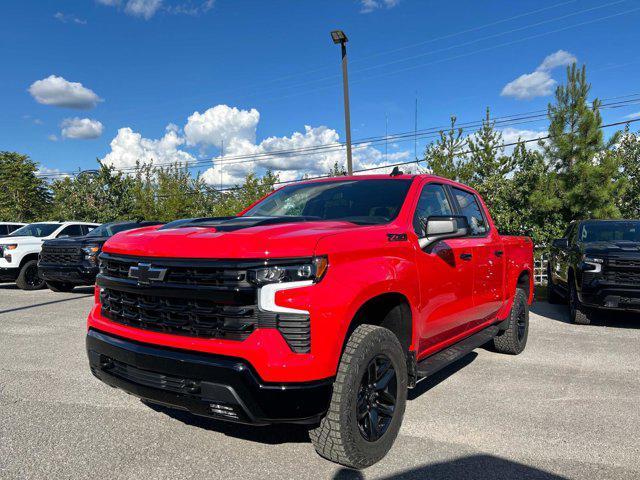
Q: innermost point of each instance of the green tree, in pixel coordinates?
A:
(586, 170)
(445, 157)
(25, 196)
(628, 153)
(337, 170)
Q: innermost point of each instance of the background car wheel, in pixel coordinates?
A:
(514, 338)
(60, 286)
(577, 312)
(28, 278)
(368, 402)
(552, 295)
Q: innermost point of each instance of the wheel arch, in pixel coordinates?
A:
(27, 258)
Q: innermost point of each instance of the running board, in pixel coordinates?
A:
(438, 361)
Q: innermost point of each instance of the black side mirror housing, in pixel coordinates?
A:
(561, 243)
(438, 228)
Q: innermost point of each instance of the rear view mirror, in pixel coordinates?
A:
(438, 228)
(561, 243)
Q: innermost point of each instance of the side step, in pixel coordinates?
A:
(438, 361)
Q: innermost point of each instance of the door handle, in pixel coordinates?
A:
(499, 253)
(466, 256)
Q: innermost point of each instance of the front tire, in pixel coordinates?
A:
(368, 401)
(514, 338)
(28, 278)
(60, 286)
(577, 312)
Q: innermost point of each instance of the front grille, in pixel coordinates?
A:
(623, 277)
(624, 262)
(207, 299)
(60, 255)
(179, 316)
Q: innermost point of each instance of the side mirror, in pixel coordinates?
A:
(561, 243)
(438, 228)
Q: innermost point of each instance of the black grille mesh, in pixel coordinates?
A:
(60, 255)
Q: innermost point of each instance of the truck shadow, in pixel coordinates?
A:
(603, 318)
(476, 467)
(439, 377)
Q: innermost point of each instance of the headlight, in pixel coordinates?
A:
(91, 252)
(591, 264)
(12, 246)
(295, 272)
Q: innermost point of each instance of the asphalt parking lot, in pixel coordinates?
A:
(566, 408)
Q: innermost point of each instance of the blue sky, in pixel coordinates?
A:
(166, 80)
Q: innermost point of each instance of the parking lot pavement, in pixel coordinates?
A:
(566, 408)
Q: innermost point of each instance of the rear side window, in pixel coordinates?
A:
(432, 202)
(4, 229)
(71, 231)
(470, 208)
(11, 228)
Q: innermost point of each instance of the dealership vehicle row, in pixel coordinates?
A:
(322, 304)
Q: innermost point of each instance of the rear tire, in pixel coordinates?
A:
(577, 312)
(28, 278)
(553, 296)
(365, 413)
(513, 340)
(60, 286)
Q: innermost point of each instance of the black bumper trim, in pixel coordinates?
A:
(203, 384)
(76, 274)
(611, 297)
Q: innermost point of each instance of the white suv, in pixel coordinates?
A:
(19, 250)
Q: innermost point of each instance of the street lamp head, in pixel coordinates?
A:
(339, 37)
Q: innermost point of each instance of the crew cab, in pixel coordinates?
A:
(596, 266)
(321, 304)
(19, 250)
(7, 227)
(65, 263)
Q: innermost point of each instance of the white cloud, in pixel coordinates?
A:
(221, 123)
(129, 147)
(512, 135)
(68, 18)
(148, 8)
(57, 91)
(81, 128)
(52, 138)
(538, 83)
(143, 8)
(633, 116)
(369, 6)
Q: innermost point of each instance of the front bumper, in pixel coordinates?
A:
(9, 274)
(611, 297)
(215, 386)
(77, 274)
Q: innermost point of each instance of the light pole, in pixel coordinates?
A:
(339, 37)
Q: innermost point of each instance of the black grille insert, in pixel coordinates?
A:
(60, 255)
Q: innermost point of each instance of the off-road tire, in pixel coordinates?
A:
(578, 314)
(514, 338)
(25, 279)
(60, 286)
(338, 437)
(553, 296)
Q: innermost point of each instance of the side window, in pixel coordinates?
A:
(12, 228)
(4, 229)
(87, 228)
(470, 208)
(432, 201)
(71, 231)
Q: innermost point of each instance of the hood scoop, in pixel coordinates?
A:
(230, 224)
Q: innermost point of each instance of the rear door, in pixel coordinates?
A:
(445, 272)
(488, 257)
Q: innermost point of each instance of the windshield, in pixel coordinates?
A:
(35, 230)
(359, 201)
(626, 230)
(110, 229)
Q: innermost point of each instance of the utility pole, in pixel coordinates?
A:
(339, 37)
(221, 157)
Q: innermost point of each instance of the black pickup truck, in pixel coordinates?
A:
(65, 263)
(596, 265)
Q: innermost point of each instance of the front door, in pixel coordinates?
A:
(445, 272)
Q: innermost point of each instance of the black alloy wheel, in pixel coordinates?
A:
(376, 402)
(31, 277)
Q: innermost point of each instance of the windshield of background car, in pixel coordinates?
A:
(367, 202)
(35, 230)
(610, 231)
(110, 229)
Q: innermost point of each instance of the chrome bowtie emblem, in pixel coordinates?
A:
(144, 273)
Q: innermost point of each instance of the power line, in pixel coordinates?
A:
(431, 132)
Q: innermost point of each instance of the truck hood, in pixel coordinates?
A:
(21, 240)
(77, 241)
(251, 240)
(614, 248)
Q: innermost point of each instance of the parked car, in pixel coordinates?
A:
(7, 227)
(320, 304)
(65, 263)
(594, 266)
(19, 250)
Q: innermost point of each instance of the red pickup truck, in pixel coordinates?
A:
(320, 304)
